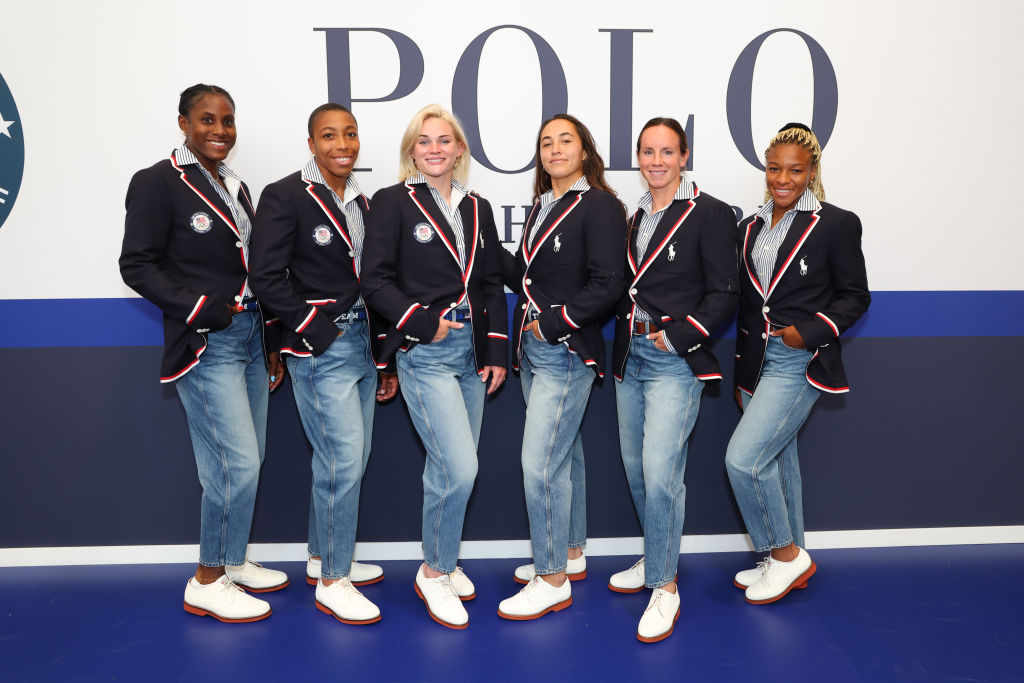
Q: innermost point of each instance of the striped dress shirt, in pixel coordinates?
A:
(349, 207)
(185, 157)
(648, 224)
(766, 247)
(451, 213)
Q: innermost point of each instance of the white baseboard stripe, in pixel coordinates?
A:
(471, 550)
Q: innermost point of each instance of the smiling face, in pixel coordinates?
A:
(661, 158)
(561, 153)
(209, 130)
(335, 146)
(788, 171)
(437, 149)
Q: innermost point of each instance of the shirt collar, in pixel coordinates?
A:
(311, 173)
(457, 188)
(685, 191)
(186, 157)
(807, 202)
(580, 185)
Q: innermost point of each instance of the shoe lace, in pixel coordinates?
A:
(639, 563)
(764, 564)
(656, 600)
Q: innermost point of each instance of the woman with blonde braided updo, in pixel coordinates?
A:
(802, 284)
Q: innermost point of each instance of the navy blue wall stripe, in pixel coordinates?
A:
(43, 323)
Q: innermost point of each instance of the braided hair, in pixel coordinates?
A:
(191, 95)
(799, 134)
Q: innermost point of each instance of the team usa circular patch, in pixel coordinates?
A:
(423, 233)
(201, 222)
(322, 235)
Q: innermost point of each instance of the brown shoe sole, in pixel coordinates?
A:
(800, 579)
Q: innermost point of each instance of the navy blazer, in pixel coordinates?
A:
(411, 273)
(302, 263)
(183, 252)
(819, 284)
(573, 274)
(687, 281)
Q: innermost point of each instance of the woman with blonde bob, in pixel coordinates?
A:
(802, 284)
(431, 267)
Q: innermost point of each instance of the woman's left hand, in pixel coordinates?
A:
(496, 374)
(659, 340)
(790, 337)
(534, 327)
(388, 387)
(275, 366)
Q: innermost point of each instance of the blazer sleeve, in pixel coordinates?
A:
(149, 213)
(270, 256)
(494, 292)
(850, 295)
(721, 285)
(604, 234)
(379, 279)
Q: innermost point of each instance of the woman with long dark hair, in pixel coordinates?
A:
(569, 268)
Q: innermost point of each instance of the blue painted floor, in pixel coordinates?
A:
(895, 614)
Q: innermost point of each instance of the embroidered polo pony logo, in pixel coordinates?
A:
(672, 252)
(558, 243)
(803, 266)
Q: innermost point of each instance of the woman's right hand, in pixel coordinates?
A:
(739, 398)
(442, 328)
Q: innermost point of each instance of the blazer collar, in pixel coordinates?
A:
(191, 173)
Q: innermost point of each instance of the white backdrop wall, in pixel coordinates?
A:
(926, 144)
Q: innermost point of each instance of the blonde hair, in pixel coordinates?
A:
(798, 134)
(406, 167)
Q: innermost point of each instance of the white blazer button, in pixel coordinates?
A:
(633, 291)
(764, 335)
(524, 307)
(351, 253)
(238, 244)
(765, 309)
(238, 297)
(529, 281)
(453, 304)
(629, 316)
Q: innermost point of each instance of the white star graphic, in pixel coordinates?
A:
(5, 126)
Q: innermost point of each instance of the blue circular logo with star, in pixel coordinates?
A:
(12, 151)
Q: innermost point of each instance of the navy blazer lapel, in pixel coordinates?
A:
(667, 228)
(424, 199)
(196, 180)
(799, 231)
(567, 202)
(469, 209)
(752, 230)
(322, 196)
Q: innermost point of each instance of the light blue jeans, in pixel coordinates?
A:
(658, 400)
(762, 457)
(335, 395)
(556, 385)
(225, 398)
(445, 397)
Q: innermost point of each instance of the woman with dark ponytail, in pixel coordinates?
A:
(681, 257)
(803, 283)
(186, 249)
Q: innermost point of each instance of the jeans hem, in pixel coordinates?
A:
(438, 569)
(580, 545)
(767, 548)
(548, 572)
